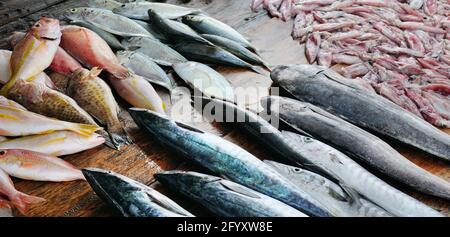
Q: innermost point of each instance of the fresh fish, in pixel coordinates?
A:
(130, 198)
(92, 51)
(157, 51)
(139, 10)
(16, 122)
(208, 25)
(107, 21)
(206, 80)
(225, 198)
(237, 49)
(327, 90)
(20, 200)
(324, 188)
(95, 96)
(225, 159)
(212, 54)
(35, 166)
(104, 4)
(175, 31)
(306, 152)
(156, 35)
(34, 53)
(59, 143)
(60, 81)
(146, 68)
(112, 41)
(357, 143)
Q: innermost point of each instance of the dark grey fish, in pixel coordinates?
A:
(173, 30)
(212, 54)
(130, 198)
(208, 25)
(320, 158)
(328, 90)
(225, 198)
(355, 142)
(226, 159)
(236, 49)
(108, 37)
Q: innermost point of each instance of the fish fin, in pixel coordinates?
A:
(121, 74)
(258, 70)
(120, 138)
(21, 201)
(84, 129)
(238, 189)
(189, 127)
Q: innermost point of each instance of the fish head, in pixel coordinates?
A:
(124, 56)
(191, 18)
(154, 122)
(154, 16)
(282, 168)
(79, 13)
(46, 28)
(288, 73)
(190, 181)
(277, 106)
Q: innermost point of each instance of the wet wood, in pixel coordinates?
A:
(146, 157)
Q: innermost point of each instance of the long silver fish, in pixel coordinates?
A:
(108, 37)
(326, 89)
(107, 21)
(157, 51)
(139, 10)
(225, 198)
(226, 159)
(208, 25)
(131, 198)
(146, 68)
(317, 157)
(356, 143)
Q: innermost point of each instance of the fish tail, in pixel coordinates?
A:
(84, 129)
(121, 73)
(266, 66)
(258, 70)
(22, 201)
(120, 139)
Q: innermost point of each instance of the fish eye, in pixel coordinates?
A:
(73, 10)
(2, 152)
(297, 170)
(124, 5)
(37, 25)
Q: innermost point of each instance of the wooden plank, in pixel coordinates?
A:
(141, 160)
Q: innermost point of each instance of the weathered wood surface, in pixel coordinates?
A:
(141, 160)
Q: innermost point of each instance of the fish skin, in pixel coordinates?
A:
(145, 67)
(110, 39)
(212, 54)
(35, 166)
(330, 191)
(357, 143)
(59, 143)
(139, 10)
(157, 51)
(107, 21)
(208, 25)
(95, 96)
(205, 79)
(92, 51)
(304, 154)
(34, 53)
(237, 49)
(130, 198)
(147, 27)
(18, 199)
(361, 108)
(61, 81)
(104, 4)
(17, 122)
(10, 103)
(225, 159)
(225, 198)
(175, 31)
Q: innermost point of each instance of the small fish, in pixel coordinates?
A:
(112, 41)
(107, 21)
(175, 31)
(156, 35)
(16, 122)
(146, 68)
(130, 198)
(237, 49)
(225, 159)
(208, 25)
(20, 200)
(30, 165)
(212, 54)
(206, 80)
(34, 53)
(95, 96)
(157, 51)
(139, 10)
(104, 4)
(92, 51)
(225, 198)
(59, 143)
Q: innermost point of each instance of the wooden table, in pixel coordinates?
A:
(146, 157)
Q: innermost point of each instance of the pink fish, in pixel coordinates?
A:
(430, 7)
(313, 46)
(286, 9)
(20, 200)
(426, 108)
(420, 26)
(400, 51)
(414, 42)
